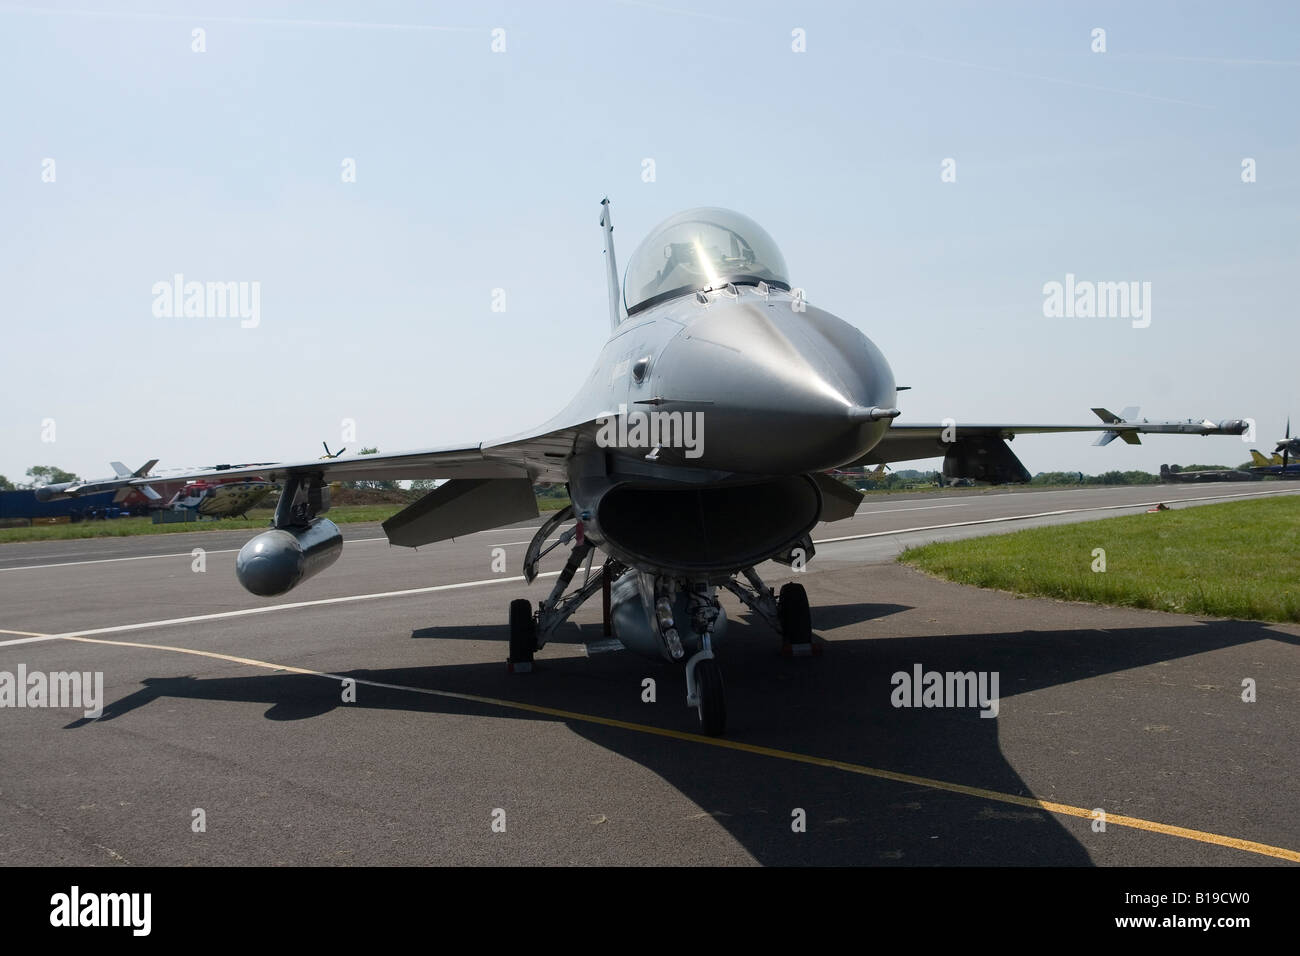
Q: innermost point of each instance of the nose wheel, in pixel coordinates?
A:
(704, 690)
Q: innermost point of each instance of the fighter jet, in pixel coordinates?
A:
(695, 450)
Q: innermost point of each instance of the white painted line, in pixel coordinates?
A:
(27, 640)
(1048, 514)
(245, 612)
(147, 557)
(890, 511)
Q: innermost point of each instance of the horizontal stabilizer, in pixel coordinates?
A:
(120, 469)
(462, 506)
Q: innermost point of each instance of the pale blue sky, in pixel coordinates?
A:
(478, 170)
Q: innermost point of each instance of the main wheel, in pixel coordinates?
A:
(796, 619)
(712, 701)
(523, 632)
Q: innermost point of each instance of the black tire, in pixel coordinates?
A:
(523, 632)
(712, 700)
(796, 618)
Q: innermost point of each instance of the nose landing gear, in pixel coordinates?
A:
(704, 692)
(703, 676)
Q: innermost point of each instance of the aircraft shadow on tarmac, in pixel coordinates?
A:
(834, 706)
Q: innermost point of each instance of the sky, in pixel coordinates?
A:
(379, 169)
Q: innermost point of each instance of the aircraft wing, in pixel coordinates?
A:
(531, 456)
(909, 442)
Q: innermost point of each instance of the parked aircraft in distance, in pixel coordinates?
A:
(1206, 474)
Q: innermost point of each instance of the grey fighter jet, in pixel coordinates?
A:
(695, 450)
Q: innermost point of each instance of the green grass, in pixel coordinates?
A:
(1238, 560)
(258, 520)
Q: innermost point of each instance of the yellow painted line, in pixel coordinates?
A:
(1065, 809)
(22, 633)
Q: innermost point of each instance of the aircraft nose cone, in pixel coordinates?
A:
(778, 391)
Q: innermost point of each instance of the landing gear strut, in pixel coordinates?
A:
(529, 630)
(703, 676)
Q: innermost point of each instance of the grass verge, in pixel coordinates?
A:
(1238, 560)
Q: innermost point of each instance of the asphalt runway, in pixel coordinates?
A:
(218, 701)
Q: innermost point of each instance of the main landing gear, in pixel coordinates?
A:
(788, 613)
(529, 630)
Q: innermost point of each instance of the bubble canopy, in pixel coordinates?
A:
(698, 250)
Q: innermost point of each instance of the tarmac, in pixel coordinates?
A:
(368, 717)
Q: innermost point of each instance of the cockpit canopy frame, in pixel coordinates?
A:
(700, 250)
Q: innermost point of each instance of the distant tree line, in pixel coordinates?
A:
(1105, 478)
(39, 475)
